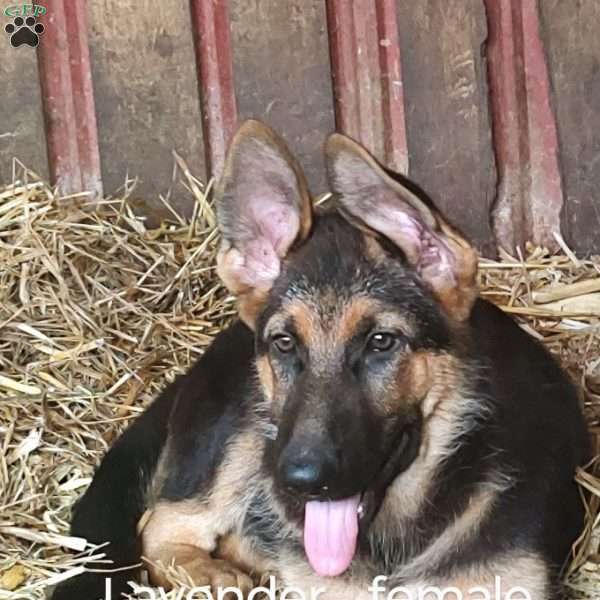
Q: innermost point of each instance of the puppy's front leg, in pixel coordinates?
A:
(184, 535)
(201, 534)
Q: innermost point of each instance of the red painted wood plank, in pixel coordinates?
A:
(58, 102)
(212, 40)
(394, 119)
(367, 77)
(68, 100)
(342, 48)
(529, 196)
(545, 185)
(83, 96)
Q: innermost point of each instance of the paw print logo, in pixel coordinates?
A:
(24, 31)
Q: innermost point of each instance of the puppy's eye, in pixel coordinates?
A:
(382, 342)
(284, 343)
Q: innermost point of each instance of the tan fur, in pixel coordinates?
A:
(250, 300)
(521, 570)
(306, 321)
(448, 410)
(406, 384)
(266, 376)
(514, 570)
(325, 324)
(373, 248)
(175, 529)
(464, 527)
(351, 316)
(458, 300)
(199, 566)
(418, 376)
(238, 551)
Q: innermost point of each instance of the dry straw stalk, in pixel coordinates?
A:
(97, 312)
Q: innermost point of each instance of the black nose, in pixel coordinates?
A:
(307, 467)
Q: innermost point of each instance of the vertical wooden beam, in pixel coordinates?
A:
(58, 102)
(367, 77)
(529, 196)
(212, 40)
(83, 96)
(342, 49)
(68, 100)
(545, 185)
(392, 84)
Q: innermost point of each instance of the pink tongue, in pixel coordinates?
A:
(330, 532)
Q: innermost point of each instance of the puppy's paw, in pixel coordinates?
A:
(219, 574)
(202, 569)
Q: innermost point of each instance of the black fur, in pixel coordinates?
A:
(533, 427)
(113, 504)
(534, 432)
(335, 258)
(211, 407)
(205, 406)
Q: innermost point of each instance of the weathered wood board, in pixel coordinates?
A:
(570, 32)
(147, 101)
(21, 123)
(282, 74)
(146, 93)
(448, 126)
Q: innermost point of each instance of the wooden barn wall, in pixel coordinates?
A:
(147, 99)
(573, 49)
(447, 117)
(282, 74)
(146, 93)
(21, 122)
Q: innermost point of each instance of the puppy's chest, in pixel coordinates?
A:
(280, 540)
(267, 527)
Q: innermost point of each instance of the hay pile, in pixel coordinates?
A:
(97, 312)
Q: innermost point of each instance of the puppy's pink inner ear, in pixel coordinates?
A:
(261, 264)
(424, 248)
(278, 225)
(437, 251)
(261, 255)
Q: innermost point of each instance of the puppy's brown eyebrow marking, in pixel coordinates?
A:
(352, 315)
(393, 320)
(312, 327)
(265, 373)
(276, 323)
(307, 322)
(382, 318)
(324, 317)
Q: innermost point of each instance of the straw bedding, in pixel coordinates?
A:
(98, 311)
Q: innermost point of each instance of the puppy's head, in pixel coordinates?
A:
(354, 312)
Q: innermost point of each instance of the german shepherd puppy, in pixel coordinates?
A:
(369, 415)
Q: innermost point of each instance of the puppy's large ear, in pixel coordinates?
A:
(264, 208)
(446, 262)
